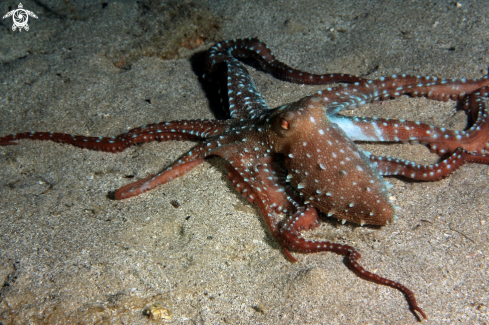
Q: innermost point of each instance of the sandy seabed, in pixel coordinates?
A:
(70, 254)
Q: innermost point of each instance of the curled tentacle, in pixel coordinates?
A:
(306, 218)
(246, 48)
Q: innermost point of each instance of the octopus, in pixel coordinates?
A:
(300, 160)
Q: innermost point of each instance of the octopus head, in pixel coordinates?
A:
(326, 167)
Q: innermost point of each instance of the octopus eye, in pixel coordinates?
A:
(284, 124)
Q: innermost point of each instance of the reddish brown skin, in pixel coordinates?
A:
(300, 159)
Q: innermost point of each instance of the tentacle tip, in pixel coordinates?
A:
(289, 255)
(122, 195)
(9, 143)
(112, 195)
(419, 313)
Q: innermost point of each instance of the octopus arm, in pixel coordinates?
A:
(440, 140)
(474, 139)
(244, 100)
(388, 166)
(360, 93)
(291, 238)
(268, 204)
(164, 131)
(256, 49)
(179, 168)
